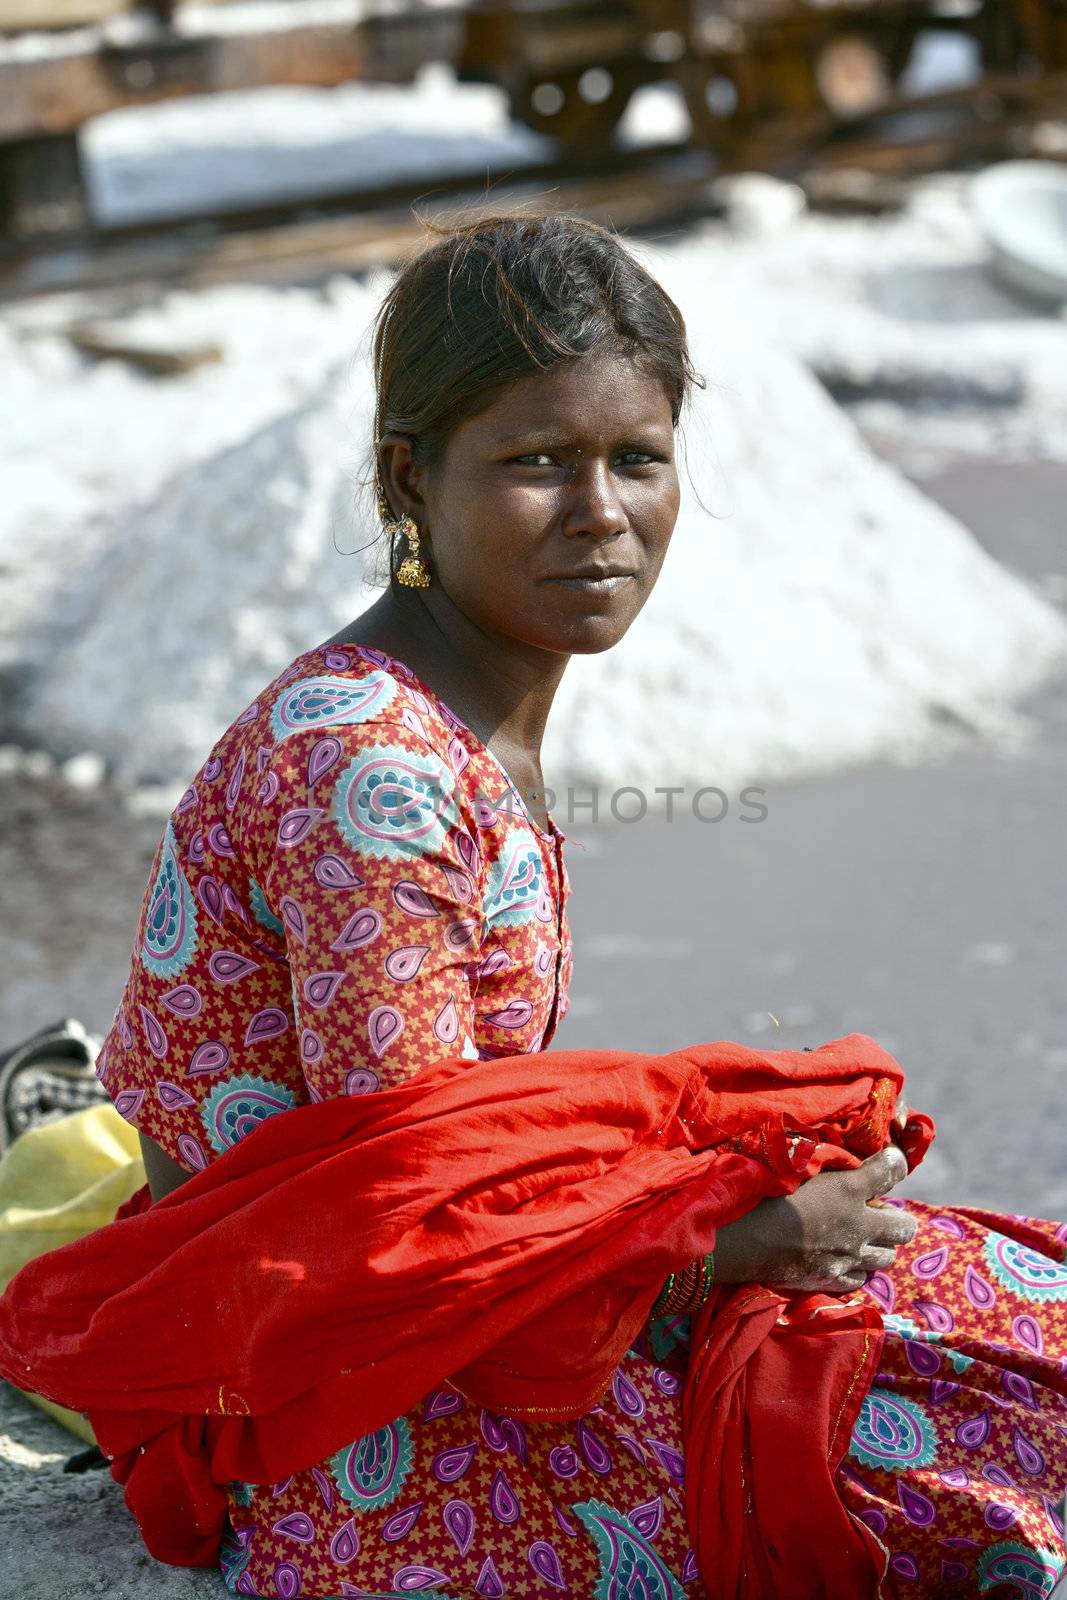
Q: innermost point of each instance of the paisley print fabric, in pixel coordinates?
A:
(395, 804)
(628, 1563)
(1024, 1271)
(373, 1471)
(516, 887)
(958, 1458)
(320, 702)
(170, 921)
(237, 1105)
(893, 1434)
(350, 887)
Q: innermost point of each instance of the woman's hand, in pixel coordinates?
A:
(826, 1237)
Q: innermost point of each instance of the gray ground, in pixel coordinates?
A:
(68, 1537)
(922, 906)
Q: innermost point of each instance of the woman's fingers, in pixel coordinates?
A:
(877, 1258)
(880, 1172)
(888, 1226)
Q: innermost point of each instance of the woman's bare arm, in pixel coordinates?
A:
(162, 1171)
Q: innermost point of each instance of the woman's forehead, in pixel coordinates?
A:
(597, 392)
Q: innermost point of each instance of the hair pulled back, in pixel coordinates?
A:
(502, 297)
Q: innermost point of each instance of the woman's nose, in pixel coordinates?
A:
(593, 504)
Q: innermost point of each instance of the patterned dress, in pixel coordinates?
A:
(958, 1459)
(352, 887)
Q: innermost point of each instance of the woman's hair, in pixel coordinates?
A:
(494, 300)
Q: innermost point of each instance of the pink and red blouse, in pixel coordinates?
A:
(350, 887)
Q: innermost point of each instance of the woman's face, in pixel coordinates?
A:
(570, 470)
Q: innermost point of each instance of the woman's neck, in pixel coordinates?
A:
(502, 690)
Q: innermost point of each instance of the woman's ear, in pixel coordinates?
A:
(401, 477)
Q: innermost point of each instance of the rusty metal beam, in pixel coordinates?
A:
(669, 186)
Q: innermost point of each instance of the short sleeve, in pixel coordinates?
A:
(370, 870)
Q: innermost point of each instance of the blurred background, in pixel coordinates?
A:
(861, 208)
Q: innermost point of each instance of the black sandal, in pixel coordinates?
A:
(47, 1076)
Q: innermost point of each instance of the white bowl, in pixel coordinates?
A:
(1021, 207)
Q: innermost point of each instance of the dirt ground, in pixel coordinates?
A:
(924, 906)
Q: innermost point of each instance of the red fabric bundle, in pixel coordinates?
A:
(505, 1225)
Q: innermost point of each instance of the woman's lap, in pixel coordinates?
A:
(957, 1462)
(464, 1503)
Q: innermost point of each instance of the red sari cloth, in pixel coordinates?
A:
(485, 1203)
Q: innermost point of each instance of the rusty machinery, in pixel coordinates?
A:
(748, 69)
(760, 78)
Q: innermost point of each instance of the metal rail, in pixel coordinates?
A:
(307, 240)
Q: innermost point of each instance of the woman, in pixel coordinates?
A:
(363, 877)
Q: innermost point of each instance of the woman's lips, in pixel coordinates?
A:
(597, 588)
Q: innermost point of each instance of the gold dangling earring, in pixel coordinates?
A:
(412, 570)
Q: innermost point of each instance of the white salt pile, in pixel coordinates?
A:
(905, 302)
(823, 613)
(172, 543)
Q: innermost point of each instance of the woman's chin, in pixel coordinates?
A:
(588, 637)
(585, 631)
